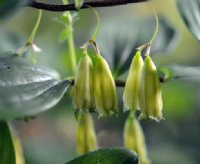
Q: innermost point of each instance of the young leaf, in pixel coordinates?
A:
(64, 35)
(107, 156)
(165, 73)
(79, 3)
(7, 151)
(26, 89)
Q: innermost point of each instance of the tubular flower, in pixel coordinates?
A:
(150, 92)
(134, 138)
(86, 137)
(104, 89)
(131, 92)
(83, 87)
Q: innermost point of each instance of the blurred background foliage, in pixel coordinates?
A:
(51, 136)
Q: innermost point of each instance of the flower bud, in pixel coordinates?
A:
(134, 138)
(83, 87)
(86, 137)
(150, 96)
(79, 3)
(131, 91)
(104, 89)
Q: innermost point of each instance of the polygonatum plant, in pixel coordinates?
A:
(27, 89)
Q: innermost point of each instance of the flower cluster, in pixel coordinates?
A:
(142, 90)
(95, 90)
(95, 87)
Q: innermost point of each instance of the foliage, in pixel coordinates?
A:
(26, 89)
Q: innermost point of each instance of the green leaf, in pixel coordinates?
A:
(190, 12)
(26, 89)
(64, 35)
(9, 6)
(107, 156)
(7, 152)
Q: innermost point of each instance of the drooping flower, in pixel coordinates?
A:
(134, 138)
(86, 137)
(131, 91)
(104, 88)
(150, 92)
(83, 87)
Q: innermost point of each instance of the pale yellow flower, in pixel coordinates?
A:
(134, 138)
(83, 87)
(86, 136)
(104, 88)
(131, 91)
(150, 92)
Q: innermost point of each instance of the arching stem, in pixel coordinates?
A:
(32, 36)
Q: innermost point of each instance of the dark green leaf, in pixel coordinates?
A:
(7, 152)
(9, 6)
(190, 12)
(119, 44)
(26, 89)
(108, 156)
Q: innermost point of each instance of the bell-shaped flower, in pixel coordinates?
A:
(86, 136)
(104, 88)
(150, 92)
(131, 91)
(83, 87)
(134, 138)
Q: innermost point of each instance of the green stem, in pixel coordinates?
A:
(98, 25)
(157, 25)
(148, 44)
(70, 40)
(32, 36)
(72, 53)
